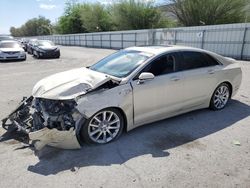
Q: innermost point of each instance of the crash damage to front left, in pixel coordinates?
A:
(46, 122)
(50, 115)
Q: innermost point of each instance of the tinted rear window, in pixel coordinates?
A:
(194, 60)
(211, 61)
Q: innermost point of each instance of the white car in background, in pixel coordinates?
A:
(11, 50)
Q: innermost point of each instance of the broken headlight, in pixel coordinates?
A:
(56, 113)
(55, 107)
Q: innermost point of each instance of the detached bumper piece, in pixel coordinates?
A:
(46, 122)
(20, 119)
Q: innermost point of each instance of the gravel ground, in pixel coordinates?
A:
(192, 150)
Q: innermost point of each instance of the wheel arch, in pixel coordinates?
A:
(122, 113)
(219, 83)
(84, 119)
(230, 86)
(230, 93)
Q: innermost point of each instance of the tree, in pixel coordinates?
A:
(33, 27)
(71, 21)
(87, 17)
(137, 14)
(208, 12)
(247, 9)
(122, 15)
(15, 32)
(95, 17)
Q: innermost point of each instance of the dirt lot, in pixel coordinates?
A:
(191, 150)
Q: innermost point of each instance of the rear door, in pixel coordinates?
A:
(200, 77)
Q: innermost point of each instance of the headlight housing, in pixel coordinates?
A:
(55, 107)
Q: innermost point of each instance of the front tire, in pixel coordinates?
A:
(220, 97)
(103, 127)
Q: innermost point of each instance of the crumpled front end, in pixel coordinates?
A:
(47, 122)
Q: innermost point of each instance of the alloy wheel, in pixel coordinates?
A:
(221, 96)
(104, 127)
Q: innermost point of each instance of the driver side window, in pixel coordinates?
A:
(164, 64)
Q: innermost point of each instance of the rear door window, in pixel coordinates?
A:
(210, 60)
(195, 60)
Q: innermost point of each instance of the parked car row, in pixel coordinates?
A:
(12, 49)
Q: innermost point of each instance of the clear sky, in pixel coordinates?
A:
(17, 12)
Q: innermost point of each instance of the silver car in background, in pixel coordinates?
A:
(11, 50)
(127, 89)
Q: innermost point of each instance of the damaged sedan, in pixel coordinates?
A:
(127, 89)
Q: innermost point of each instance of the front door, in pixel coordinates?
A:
(155, 99)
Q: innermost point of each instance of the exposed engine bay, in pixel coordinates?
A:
(35, 115)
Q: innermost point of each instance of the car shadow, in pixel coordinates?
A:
(154, 139)
(45, 58)
(18, 136)
(12, 61)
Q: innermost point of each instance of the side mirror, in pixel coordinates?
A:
(145, 76)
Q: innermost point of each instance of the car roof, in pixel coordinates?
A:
(156, 50)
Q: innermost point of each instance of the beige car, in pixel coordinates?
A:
(127, 89)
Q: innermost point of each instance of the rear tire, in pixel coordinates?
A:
(103, 127)
(220, 97)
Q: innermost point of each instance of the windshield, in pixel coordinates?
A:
(45, 43)
(9, 45)
(122, 63)
(6, 38)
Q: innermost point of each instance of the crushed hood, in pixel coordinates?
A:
(69, 84)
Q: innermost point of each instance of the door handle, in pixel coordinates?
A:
(174, 78)
(211, 71)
